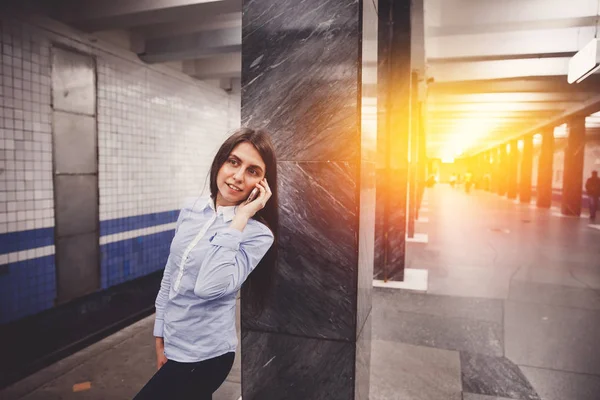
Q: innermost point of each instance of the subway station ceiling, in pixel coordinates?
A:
(500, 69)
(497, 68)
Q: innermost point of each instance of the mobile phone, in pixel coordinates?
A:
(252, 196)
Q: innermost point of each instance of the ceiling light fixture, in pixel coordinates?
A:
(587, 60)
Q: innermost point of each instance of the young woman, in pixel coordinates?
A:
(219, 242)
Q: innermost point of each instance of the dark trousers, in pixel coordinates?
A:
(183, 381)
(593, 206)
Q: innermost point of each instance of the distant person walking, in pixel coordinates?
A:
(592, 188)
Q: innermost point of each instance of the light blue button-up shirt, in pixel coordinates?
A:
(207, 264)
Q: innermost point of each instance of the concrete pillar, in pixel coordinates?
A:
(479, 171)
(544, 181)
(501, 170)
(494, 170)
(394, 73)
(485, 162)
(573, 171)
(512, 179)
(313, 340)
(486, 171)
(526, 170)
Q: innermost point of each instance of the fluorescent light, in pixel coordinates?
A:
(588, 74)
(585, 62)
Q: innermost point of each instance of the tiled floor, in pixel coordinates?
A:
(512, 311)
(117, 368)
(513, 295)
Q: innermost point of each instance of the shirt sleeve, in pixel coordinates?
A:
(165, 286)
(231, 258)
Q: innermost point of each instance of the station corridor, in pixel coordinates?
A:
(424, 172)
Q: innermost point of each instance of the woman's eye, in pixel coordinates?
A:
(232, 161)
(252, 171)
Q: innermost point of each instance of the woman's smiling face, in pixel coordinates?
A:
(240, 173)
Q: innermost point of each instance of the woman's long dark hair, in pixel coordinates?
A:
(259, 284)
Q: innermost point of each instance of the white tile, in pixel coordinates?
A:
(414, 279)
(560, 215)
(418, 238)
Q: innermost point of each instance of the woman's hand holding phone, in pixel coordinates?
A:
(251, 207)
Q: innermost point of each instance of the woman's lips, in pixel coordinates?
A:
(233, 188)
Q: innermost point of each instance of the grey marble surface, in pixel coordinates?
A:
(494, 376)
(369, 81)
(402, 371)
(559, 385)
(363, 361)
(390, 185)
(490, 310)
(473, 396)
(552, 337)
(557, 295)
(301, 80)
(471, 281)
(280, 366)
(315, 293)
(300, 65)
(379, 268)
(435, 331)
(550, 273)
(366, 243)
(228, 391)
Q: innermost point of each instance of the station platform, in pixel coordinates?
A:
(510, 310)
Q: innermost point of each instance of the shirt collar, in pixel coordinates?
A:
(227, 212)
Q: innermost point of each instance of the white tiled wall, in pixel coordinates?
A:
(26, 197)
(157, 130)
(157, 137)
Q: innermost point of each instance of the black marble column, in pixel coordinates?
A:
(394, 56)
(422, 166)
(512, 181)
(544, 179)
(573, 171)
(303, 65)
(414, 155)
(526, 170)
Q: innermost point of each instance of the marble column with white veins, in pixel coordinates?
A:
(303, 67)
(394, 123)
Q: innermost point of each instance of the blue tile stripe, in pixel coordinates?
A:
(118, 225)
(34, 238)
(133, 258)
(26, 240)
(27, 287)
